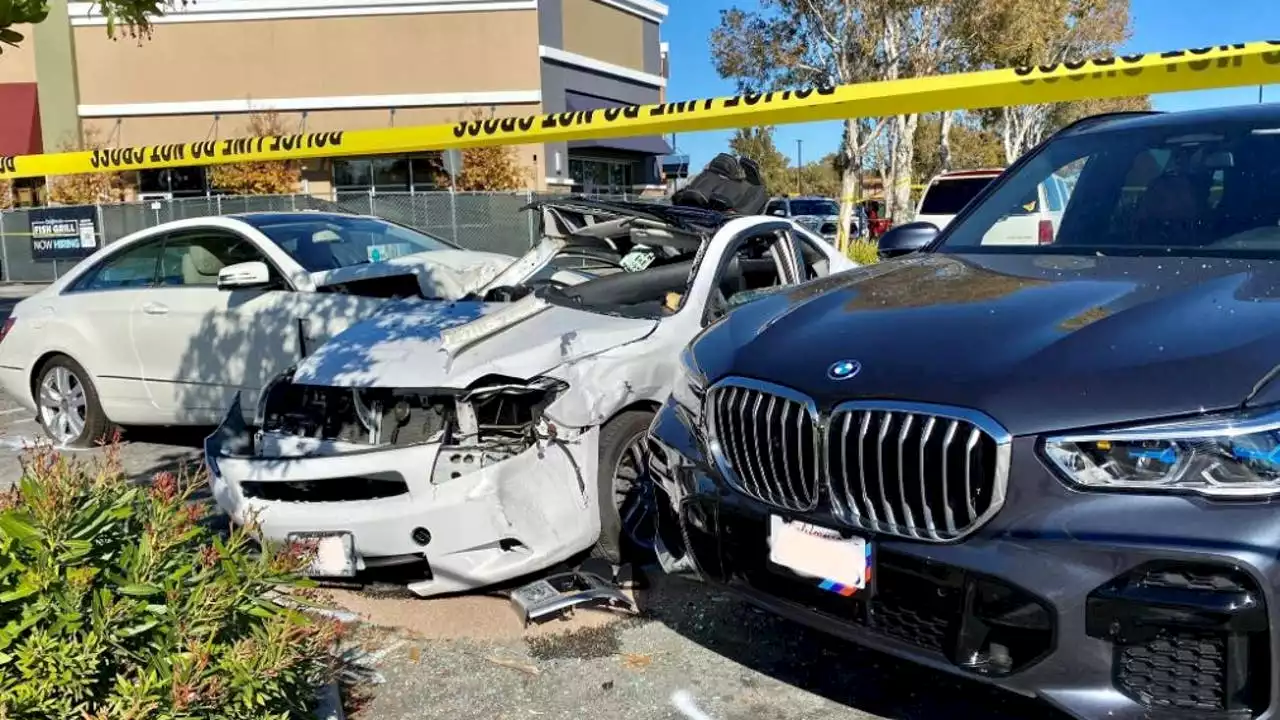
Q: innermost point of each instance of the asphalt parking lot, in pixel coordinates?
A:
(688, 652)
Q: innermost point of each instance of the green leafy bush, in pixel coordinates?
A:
(118, 602)
(863, 252)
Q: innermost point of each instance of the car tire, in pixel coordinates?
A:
(622, 443)
(76, 421)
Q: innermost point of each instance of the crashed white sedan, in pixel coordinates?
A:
(474, 442)
(166, 326)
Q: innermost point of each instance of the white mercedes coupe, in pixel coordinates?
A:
(167, 325)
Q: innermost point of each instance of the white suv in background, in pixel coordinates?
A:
(1031, 222)
(947, 194)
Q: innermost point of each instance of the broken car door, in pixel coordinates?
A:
(744, 265)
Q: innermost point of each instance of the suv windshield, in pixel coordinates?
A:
(948, 197)
(814, 207)
(332, 241)
(1151, 189)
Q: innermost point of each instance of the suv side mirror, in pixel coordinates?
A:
(906, 239)
(254, 274)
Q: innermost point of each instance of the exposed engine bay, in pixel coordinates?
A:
(492, 421)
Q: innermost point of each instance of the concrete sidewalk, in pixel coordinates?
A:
(20, 290)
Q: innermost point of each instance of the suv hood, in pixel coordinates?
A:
(422, 344)
(1039, 342)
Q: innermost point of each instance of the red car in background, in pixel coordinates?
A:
(877, 224)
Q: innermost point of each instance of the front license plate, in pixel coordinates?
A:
(335, 553)
(841, 565)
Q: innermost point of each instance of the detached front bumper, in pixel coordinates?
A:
(508, 519)
(1056, 598)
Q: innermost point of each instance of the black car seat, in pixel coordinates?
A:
(315, 255)
(1168, 213)
(728, 184)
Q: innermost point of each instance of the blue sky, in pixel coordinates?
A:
(1157, 25)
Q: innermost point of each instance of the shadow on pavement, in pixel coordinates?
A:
(837, 670)
(180, 437)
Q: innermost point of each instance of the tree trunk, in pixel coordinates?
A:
(944, 142)
(1006, 135)
(850, 166)
(889, 175)
(1023, 127)
(902, 149)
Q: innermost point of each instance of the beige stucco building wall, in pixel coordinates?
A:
(437, 54)
(18, 65)
(596, 30)
(339, 66)
(311, 57)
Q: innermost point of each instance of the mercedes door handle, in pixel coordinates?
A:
(152, 308)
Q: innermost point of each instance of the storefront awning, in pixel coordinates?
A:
(19, 120)
(648, 145)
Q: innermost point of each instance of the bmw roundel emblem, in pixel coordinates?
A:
(843, 369)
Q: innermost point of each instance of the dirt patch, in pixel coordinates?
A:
(472, 617)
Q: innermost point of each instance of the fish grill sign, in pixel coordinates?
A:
(63, 233)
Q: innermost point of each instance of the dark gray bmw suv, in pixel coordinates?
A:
(1050, 463)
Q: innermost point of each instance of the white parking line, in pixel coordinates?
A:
(12, 411)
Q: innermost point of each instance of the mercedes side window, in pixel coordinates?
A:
(777, 208)
(127, 269)
(194, 258)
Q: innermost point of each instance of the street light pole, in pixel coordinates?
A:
(799, 163)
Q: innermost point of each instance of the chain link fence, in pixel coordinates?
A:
(489, 221)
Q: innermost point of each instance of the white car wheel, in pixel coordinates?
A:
(67, 405)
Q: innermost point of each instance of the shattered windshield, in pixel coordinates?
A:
(330, 242)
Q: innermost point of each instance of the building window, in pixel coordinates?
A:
(387, 174)
(173, 182)
(29, 192)
(597, 175)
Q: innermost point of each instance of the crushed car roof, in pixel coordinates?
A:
(676, 216)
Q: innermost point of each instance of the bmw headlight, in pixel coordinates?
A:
(690, 386)
(1234, 455)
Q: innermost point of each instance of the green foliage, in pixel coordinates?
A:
(862, 252)
(133, 15)
(972, 146)
(821, 178)
(756, 143)
(117, 601)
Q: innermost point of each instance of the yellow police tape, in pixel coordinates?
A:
(1193, 69)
